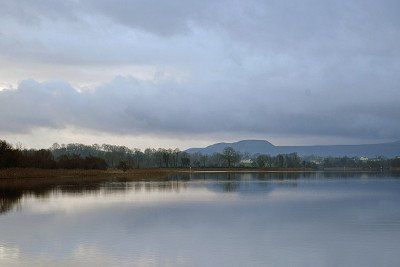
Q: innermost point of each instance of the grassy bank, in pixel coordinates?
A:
(17, 181)
(20, 173)
(79, 175)
(140, 174)
(53, 177)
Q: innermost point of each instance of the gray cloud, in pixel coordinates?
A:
(160, 17)
(128, 106)
(290, 68)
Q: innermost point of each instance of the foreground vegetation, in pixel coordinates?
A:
(108, 158)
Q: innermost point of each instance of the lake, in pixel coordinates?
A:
(207, 219)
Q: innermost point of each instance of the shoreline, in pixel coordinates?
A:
(144, 174)
(38, 181)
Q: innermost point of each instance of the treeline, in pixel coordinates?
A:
(123, 157)
(43, 158)
(379, 163)
(79, 156)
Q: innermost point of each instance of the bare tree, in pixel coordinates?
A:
(231, 156)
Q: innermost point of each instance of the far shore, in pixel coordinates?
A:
(16, 179)
(144, 174)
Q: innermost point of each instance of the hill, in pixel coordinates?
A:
(252, 147)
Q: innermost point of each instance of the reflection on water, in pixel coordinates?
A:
(206, 219)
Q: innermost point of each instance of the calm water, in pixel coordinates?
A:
(207, 220)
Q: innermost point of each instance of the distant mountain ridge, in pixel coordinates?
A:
(252, 147)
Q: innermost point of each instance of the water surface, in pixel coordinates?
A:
(206, 220)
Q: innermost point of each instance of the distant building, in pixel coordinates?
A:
(364, 158)
(246, 163)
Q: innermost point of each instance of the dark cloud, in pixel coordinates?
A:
(128, 106)
(160, 17)
(31, 13)
(290, 68)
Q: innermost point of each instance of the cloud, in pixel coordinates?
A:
(129, 106)
(164, 18)
(287, 68)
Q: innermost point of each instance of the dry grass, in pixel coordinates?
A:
(32, 173)
(42, 177)
(53, 177)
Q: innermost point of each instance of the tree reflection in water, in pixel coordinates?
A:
(13, 190)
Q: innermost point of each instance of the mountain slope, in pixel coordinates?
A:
(250, 146)
(264, 147)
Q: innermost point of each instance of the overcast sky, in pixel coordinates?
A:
(189, 73)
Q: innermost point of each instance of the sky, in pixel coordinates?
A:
(188, 73)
